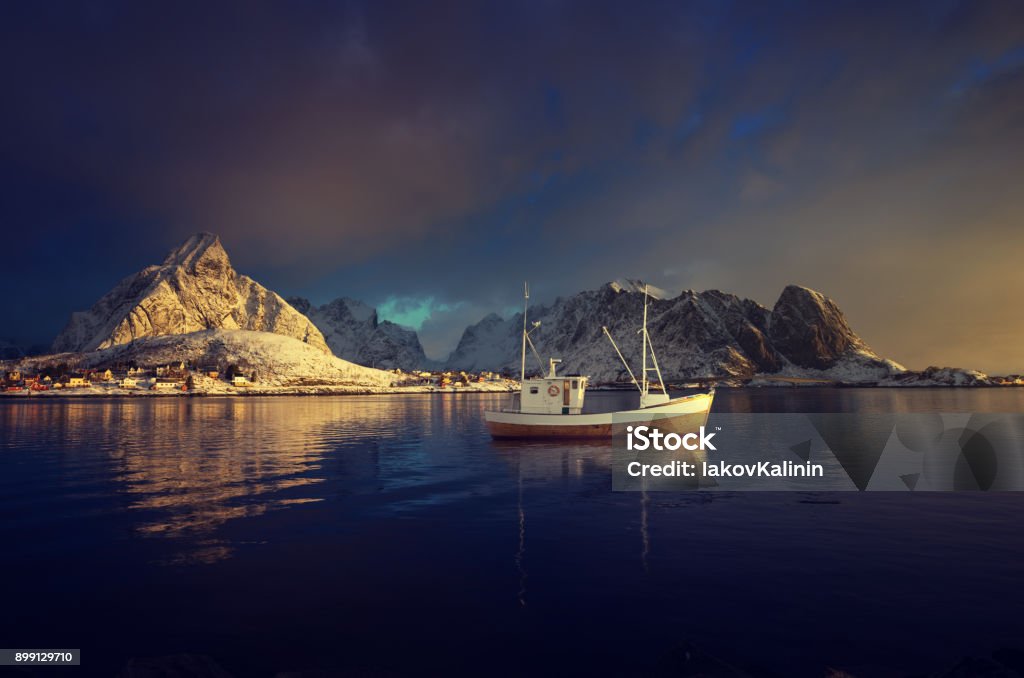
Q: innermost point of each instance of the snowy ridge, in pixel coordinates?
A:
(353, 332)
(696, 334)
(939, 376)
(194, 289)
(491, 344)
(632, 285)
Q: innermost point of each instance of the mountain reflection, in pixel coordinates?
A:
(195, 473)
(189, 465)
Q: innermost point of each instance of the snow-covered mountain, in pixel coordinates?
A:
(696, 334)
(354, 332)
(194, 289)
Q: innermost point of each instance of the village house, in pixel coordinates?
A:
(105, 375)
(173, 370)
(240, 380)
(77, 382)
(128, 382)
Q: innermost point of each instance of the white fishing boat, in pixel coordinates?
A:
(552, 406)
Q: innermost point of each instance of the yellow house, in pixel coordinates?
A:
(77, 382)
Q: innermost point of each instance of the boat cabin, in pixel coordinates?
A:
(553, 394)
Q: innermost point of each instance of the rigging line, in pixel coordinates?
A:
(624, 363)
(535, 354)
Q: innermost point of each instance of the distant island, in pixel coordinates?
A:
(194, 325)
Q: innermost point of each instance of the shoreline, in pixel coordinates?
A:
(95, 393)
(246, 392)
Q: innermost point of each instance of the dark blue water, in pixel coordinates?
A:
(389, 536)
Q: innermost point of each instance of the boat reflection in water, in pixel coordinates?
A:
(544, 464)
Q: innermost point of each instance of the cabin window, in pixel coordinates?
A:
(533, 390)
(575, 384)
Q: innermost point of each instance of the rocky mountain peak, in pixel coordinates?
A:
(355, 309)
(810, 330)
(637, 286)
(492, 319)
(194, 289)
(198, 251)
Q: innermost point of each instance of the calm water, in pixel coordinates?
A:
(388, 535)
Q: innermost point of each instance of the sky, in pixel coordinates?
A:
(426, 158)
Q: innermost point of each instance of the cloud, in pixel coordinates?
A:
(413, 312)
(429, 159)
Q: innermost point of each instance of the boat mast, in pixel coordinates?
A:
(654, 357)
(522, 367)
(643, 370)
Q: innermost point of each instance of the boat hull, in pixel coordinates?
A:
(680, 415)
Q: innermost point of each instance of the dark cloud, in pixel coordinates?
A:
(446, 151)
